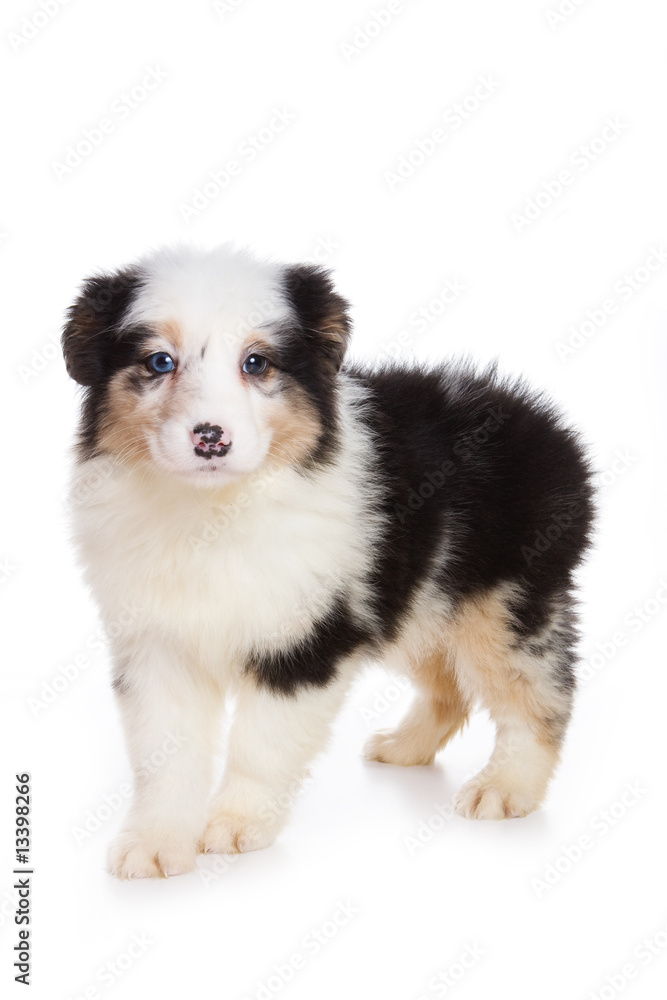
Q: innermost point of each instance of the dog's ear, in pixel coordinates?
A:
(322, 312)
(91, 332)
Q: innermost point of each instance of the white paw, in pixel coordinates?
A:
(396, 748)
(487, 798)
(227, 833)
(134, 856)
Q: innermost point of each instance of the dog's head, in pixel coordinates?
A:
(206, 364)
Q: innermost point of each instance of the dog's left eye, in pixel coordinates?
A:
(161, 363)
(255, 364)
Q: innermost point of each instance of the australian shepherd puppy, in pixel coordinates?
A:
(275, 518)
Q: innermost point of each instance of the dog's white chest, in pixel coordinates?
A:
(227, 577)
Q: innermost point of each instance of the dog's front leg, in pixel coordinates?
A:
(170, 715)
(272, 741)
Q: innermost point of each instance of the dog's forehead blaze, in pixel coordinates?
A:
(226, 344)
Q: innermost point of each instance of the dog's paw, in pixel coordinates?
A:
(486, 798)
(396, 748)
(227, 833)
(133, 856)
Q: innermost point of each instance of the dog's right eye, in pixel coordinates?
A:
(161, 363)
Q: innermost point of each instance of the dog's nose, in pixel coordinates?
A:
(210, 441)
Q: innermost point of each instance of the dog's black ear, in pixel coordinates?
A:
(91, 331)
(322, 312)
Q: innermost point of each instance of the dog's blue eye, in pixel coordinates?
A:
(161, 363)
(255, 364)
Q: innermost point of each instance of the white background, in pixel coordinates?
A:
(358, 103)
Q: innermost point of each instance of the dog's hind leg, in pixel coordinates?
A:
(437, 714)
(527, 682)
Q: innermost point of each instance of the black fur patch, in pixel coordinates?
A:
(475, 469)
(311, 350)
(323, 313)
(312, 662)
(94, 347)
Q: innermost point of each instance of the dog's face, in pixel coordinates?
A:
(208, 364)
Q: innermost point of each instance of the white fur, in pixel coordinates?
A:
(217, 574)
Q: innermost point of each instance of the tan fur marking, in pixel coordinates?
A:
(335, 327)
(296, 427)
(172, 332)
(472, 654)
(435, 717)
(128, 419)
(523, 698)
(435, 674)
(509, 682)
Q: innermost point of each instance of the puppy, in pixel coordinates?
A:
(275, 518)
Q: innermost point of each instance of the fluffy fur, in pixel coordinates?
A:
(276, 518)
